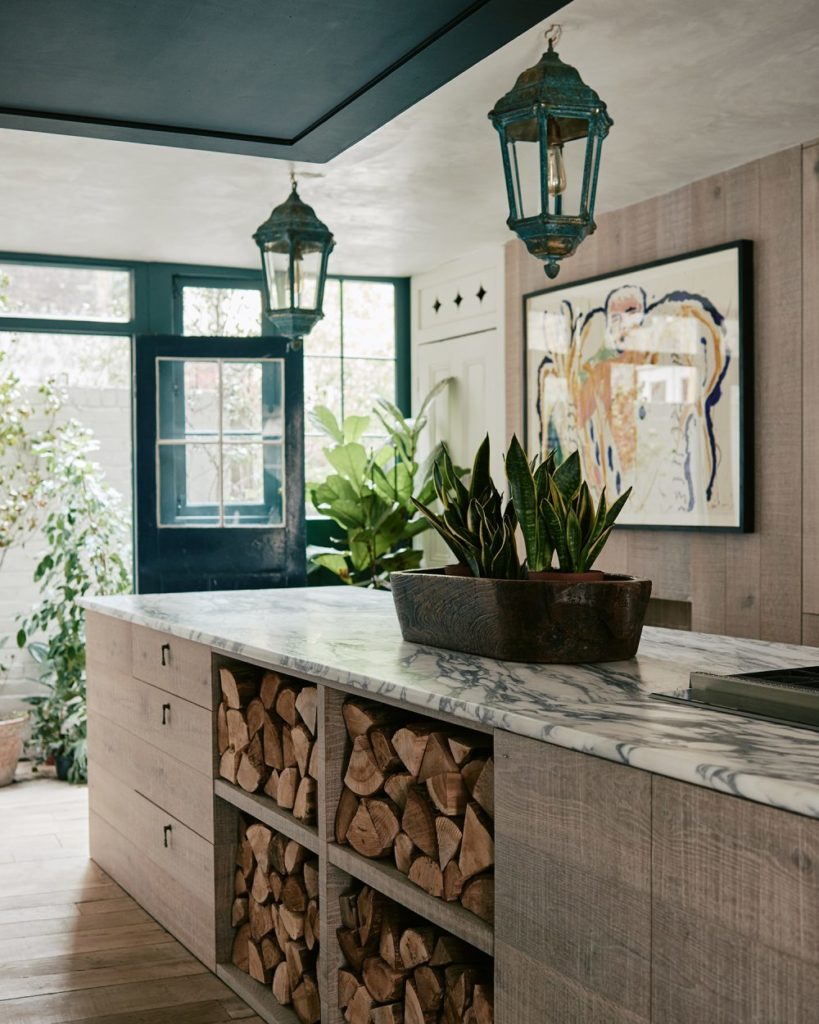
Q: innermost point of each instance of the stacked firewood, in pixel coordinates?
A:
(401, 970)
(266, 734)
(276, 916)
(423, 793)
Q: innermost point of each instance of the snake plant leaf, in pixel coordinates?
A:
(585, 510)
(567, 475)
(455, 545)
(600, 518)
(574, 539)
(523, 491)
(480, 480)
(452, 482)
(617, 508)
(590, 555)
(554, 526)
(326, 423)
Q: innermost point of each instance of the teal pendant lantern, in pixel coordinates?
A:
(551, 127)
(295, 247)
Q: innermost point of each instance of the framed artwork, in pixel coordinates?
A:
(648, 373)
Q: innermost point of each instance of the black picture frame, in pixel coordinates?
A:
(745, 306)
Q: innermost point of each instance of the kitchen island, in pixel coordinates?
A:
(652, 862)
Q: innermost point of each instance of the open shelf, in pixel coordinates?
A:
(257, 996)
(265, 810)
(388, 880)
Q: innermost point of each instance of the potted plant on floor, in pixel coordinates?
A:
(503, 609)
(12, 729)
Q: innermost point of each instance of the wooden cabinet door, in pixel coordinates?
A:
(573, 877)
(736, 910)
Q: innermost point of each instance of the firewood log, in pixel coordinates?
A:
(453, 882)
(483, 1003)
(307, 707)
(294, 895)
(347, 806)
(271, 787)
(437, 758)
(269, 689)
(359, 1007)
(448, 792)
(288, 751)
(272, 743)
(417, 945)
(384, 983)
(260, 890)
(313, 766)
(413, 1013)
(306, 1002)
(229, 764)
(404, 852)
(245, 858)
(418, 821)
(302, 746)
(254, 717)
(465, 746)
(255, 965)
(483, 788)
(391, 1013)
(311, 878)
(348, 905)
(347, 986)
(370, 908)
(362, 715)
(389, 941)
(272, 955)
(383, 750)
(294, 856)
(275, 880)
(299, 959)
(426, 874)
(278, 848)
(278, 927)
(312, 933)
(238, 911)
(477, 846)
(354, 953)
(286, 703)
(363, 776)
(261, 919)
(449, 950)
(239, 883)
(238, 954)
(281, 983)
(252, 773)
(479, 897)
(374, 827)
(292, 922)
(471, 771)
(429, 986)
(460, 983)
(238, 684)
(222, 738)
(260, 838)
(305, 804)
(288, 785)
(397, 786)
(410, 744)
(449, 834)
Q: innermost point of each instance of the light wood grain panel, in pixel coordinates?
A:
(187, 731)
(735, 910)
(173, 664)
(264, 810)
(810, 380)
(810, 630)
(573, 885)
(109, 639)
(184, 792)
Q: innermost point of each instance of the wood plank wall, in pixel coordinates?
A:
(749, 585)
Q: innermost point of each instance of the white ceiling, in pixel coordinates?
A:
(694, 87)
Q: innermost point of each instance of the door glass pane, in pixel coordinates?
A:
(242, 398)
(188, 399)
(65, 293)
(189, 485)
(221, 312)
(242, 474)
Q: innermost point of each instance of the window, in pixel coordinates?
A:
(349, 359)
(56, 292)
(221, 312)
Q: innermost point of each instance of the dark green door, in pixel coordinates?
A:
(219, 464)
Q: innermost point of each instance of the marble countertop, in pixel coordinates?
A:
(351, 637)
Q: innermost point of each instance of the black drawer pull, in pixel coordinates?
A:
(166, 649)
(166, 832)
(165, 710)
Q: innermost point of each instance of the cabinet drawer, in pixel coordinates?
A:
(176, 787)
(164, 865)
(176, 726)
(178, 666)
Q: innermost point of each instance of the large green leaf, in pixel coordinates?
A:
(567, 475)
(324, 421)
(335, 563)
(354, 428)
(350, 460)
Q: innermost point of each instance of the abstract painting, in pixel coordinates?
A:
(647, 372)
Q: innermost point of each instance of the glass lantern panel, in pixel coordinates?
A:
(524, 162)
(574, 163)
(306, 267)
(277, 273)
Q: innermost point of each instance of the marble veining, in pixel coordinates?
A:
(351, 637)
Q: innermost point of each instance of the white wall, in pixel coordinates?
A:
(107, 412)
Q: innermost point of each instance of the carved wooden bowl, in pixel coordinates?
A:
(523, 620)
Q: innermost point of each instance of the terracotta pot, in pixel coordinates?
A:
(556, 576)
(458, 569)
(12, 728)
(523, 620)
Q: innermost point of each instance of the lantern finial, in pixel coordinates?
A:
(553, 34)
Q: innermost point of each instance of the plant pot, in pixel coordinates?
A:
(556, 576)
(458, 569)
(523, 620)
(12, 728)
(63, 763)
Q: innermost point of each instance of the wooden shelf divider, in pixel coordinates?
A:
(258, 997)
(266, 811)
